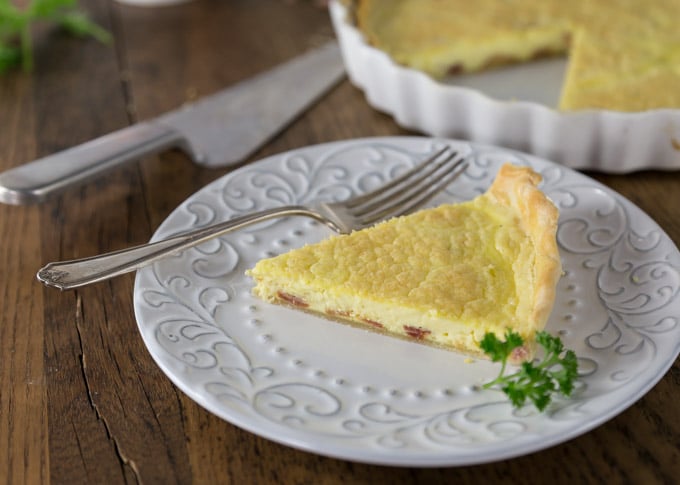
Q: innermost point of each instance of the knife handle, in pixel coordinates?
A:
(36, 181)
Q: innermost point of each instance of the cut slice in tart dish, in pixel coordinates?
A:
(622, 56)
(443, 276)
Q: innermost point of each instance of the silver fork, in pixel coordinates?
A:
(398, 197)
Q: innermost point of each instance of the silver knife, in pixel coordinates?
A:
(217, 130)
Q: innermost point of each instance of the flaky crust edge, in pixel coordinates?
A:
(517, 187)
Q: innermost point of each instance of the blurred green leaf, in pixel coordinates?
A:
(15, 28)
(10, 57)
(48, 8)
(77, 23)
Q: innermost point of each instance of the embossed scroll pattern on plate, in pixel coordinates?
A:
(279, 373)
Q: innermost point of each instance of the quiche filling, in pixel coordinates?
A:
(622, 56)
(443, 276)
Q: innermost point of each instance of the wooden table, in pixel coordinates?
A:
(81, 400)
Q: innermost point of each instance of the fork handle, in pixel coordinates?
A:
(67, 275)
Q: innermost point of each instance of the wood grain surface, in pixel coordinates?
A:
(81, 400)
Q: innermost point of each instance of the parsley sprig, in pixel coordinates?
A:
(16, 45)
(537, 382)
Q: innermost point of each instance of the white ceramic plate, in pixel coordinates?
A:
(339, 391)
(512, 107)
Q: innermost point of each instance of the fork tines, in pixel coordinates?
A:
(412, 189)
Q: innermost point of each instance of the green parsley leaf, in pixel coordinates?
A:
(533, 381)
(498, 349)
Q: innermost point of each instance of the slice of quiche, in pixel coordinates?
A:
(442, 276)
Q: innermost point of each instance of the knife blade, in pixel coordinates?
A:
(220, 129)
